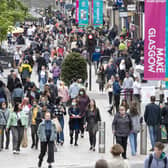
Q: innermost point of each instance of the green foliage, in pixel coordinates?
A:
(74, 66)
(11, 11)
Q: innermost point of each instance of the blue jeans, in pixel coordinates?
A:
(153, 132)
(55, 80)
(60, 136)
(133, 143)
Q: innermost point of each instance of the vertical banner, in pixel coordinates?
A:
(97, 14)
(155, 25)
(166, 45)
(77, 11)
(83, 12)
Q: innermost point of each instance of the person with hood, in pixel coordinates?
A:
(158, 159)
(4, 115)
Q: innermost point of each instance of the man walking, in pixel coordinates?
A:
(152, 118)
(47, 135)
(158, 159)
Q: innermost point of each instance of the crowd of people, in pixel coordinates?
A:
(43, 105)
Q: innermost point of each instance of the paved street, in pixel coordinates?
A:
(68, 156)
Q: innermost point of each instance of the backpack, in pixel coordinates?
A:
(151, 158)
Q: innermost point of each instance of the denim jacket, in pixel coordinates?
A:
(4, 115)
(42, 135)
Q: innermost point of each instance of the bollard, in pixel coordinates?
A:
(102, 128)
(143, 140)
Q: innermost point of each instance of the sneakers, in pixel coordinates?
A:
(16, 152)
(39, 163)
(90, 148)
(75, 144)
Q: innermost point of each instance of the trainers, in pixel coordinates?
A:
(91, 148)
(14, 152)
(39, 163)
(76, 144)
(49, 166)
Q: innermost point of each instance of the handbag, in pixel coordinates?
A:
(25, 140)
(57, 124)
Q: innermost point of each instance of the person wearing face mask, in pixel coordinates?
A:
(122, 126)
(74, 121)
(4, 115)
(35, 121)
(83, 102)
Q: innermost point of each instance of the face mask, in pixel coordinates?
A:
(73, 103)
(81, 93)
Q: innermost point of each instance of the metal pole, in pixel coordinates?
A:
(143, 141)
(90, 71)
(102, 135)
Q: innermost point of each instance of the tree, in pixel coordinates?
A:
(11, 11)
(74, 66)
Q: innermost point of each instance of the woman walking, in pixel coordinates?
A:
(101, 78)
(83, 102)
(17, 122)
(4, 115)
(58, 112)
(92, 119)
(74, 121)
(135, 117)
(122, 126)
(47, 135)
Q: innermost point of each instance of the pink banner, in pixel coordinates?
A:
(77, 11)
(155, 24)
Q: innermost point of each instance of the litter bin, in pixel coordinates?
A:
(102, 128)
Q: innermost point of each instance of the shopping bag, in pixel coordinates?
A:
(24, 139)
(163, 133)
(57, 124)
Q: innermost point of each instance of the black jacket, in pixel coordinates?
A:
(152, 114)
(122, 125)
(164, 114)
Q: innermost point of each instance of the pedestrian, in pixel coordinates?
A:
(58, 112)
(137, 89)
(35, 121)
(164, 113)
(4, 116)
(56, 73)
(101, 78)
(101, 164)
(83, 102)
(92, 119)
(111, 69)
(135, 117)
(117, 161)
(74, 89)
(63, 92)
(18, 94)
(125, 104)
(47, 135)
(109, 88)
(158, 159)
(128, 86)
(152, 117)
(17, 122)
(43, 78)
(74, 121)
(116, 91)
(25, 71)
(122, 126)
